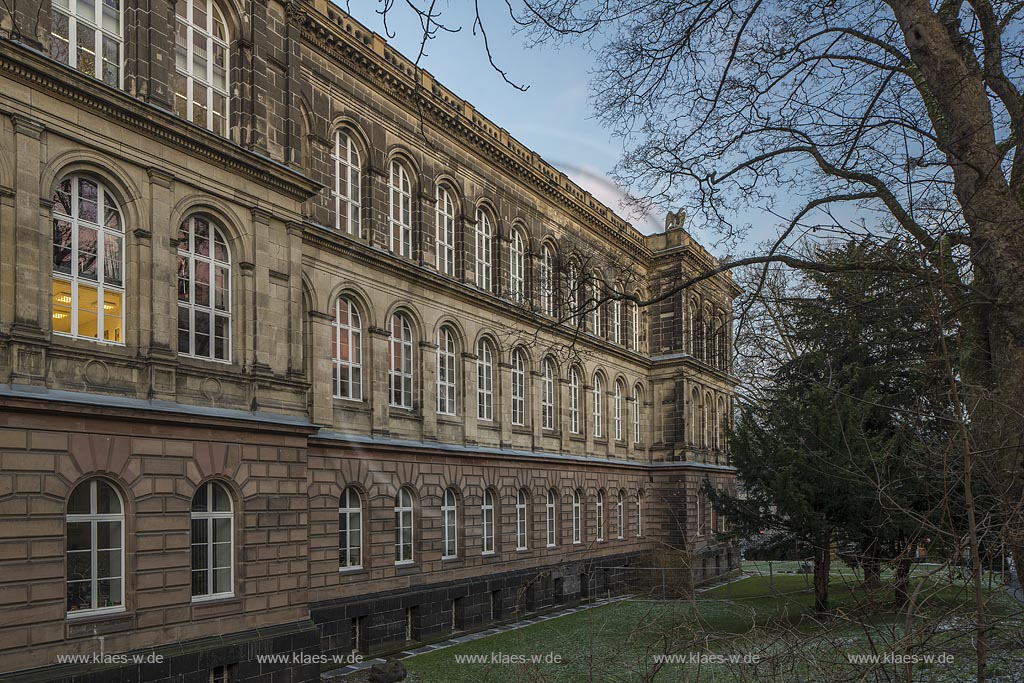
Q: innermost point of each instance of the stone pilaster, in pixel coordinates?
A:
(428, 389)
(469, 378)
(321, 333)
(295, 361)
(379, 381)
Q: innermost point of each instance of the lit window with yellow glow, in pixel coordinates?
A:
(88, 262)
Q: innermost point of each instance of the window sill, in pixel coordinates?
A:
(206, 599)
(99, 614)
(404, 568)
(522, 550)
(551, 545)
(96, 623)
(449, 419)
(352, 403)
(353, 571)
(452, 561)
(489, 554)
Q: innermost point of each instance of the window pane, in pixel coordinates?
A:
(62, 308)
(184, 330)
(85, 43)
(79, 595)
(112, 316)
(107, 501)
(222, 530)
(108, 535)
(108, 592)
(108, 564)
(79, 535)
(200, 579)
(86, 9)
(59, 43)
(87, 311)
(222, 580)
(112, 259)
(78, 503)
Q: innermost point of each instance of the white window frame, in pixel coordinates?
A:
(574, 401)
(194, 81)
(70, 10)
(399, 210)
(639, 514)
(447, 372)
(547, 395)
(572, 281)
(695, 417)
(617, 335)
(550, 512)
(400, 363)
(484, 381)
(637, 435)
(350, 519)
(598, 408)
(445, 229)
(346, 165)
(189, 258)
(577, 518)
(484, 244)
(93, 518)
(547, 281)
(522, 536)
(351, 333)
(596, 326)
(621, 512)
(107, 211)
(635, 313)
(600, 515)
(518, 388)
(517, 267)
(210, 517)
(700, 513)
(404, 526)
(617, 410)
(487, 523)
(449, 525)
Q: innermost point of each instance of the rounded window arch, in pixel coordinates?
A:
(618, 324)
(573, 305)
(695, 416)
(595, 304)
(213, 548)
(400, 209)
(551, 518)
(517, 266)
(487, 517)
(347, 182)
(639, 513)
(445, 231)
(522, 525)
(447, 371)
(94, 542)
(400, 361)
(620, 513)
(706, 422)
(577, 516)
(547, 394)
(348, 351)
(723, 425)
(575, 398)
(637, 403)
(449, 524)
(485, 380)
(598, 400)
(518, 388)
(617, 404)
(696, 331)
(547, 280)
(484, 240)
(88, 263)
(202, 65)
(350, 529)
(404, 526)
(634, 324)
(600, 514)
(204, 290)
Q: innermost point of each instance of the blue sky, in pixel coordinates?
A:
(552, 117)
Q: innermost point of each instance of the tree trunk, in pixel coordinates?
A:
(872, 569)
(822, 566)
(901, 589)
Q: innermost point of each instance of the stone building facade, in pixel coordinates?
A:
(299, 353)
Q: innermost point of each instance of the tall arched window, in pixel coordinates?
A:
(577, 517)
(521, 521)
(705, 421)
(547, 281)
(596, 320)
(710, 335)
(635, 325)
(723, 424)
(517, 267)
(713, 427)
(487, 522)
(639, 513)
(572, 286)
(350, 529)
(400, 365)
(617, 412)
(696, 331)
(403, 526)
(212, 542)
(600, 515)
(723, 344)
(620, 512)
(547, 395)
(86, 36)
(88, 262)
(95, 549)
(348, 352)
(449, 525)
(618, 334)
(695, 417)
(446, 371)
(549, 518)
(400, 210)
(700, 513)
(574, 401)
(445, 232)
(483, 250)
(201, 65)
(598, 398)
(518, 387)
(484, 381)
(204, 290)
(637, 436)
(346, 183)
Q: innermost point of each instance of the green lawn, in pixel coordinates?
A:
(618, 642)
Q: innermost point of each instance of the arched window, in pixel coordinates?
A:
(596, 321)
(635, 325)
(572, 286)
(620, 512)
(483, 250)
(446, 371)
(350, 529)
(403, 526)
(521, 521)
(88, 262)
(700, 513)
(204, 290)
(449, 525)
(86, 35)
(400, 210)
(574, 401)
(577, 517)
(201, 65)
(400, 365)
(547, 281)
(487, 517)
(639, 514)
(710, 336)
(445, 232)
(723, 344)
(598, 397)
(346, 183)
(705, 421)
(485, 381)
(547, 395)
(95, 549)
(618, 334)
(713, 427)
(549, 518)
(617, 414)
(695, 417)
(696, 331)
(723, 425)
(212, 542)
(518, 387)
(348, 352)
(637, 436)
(517, 267)
(600, 515)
